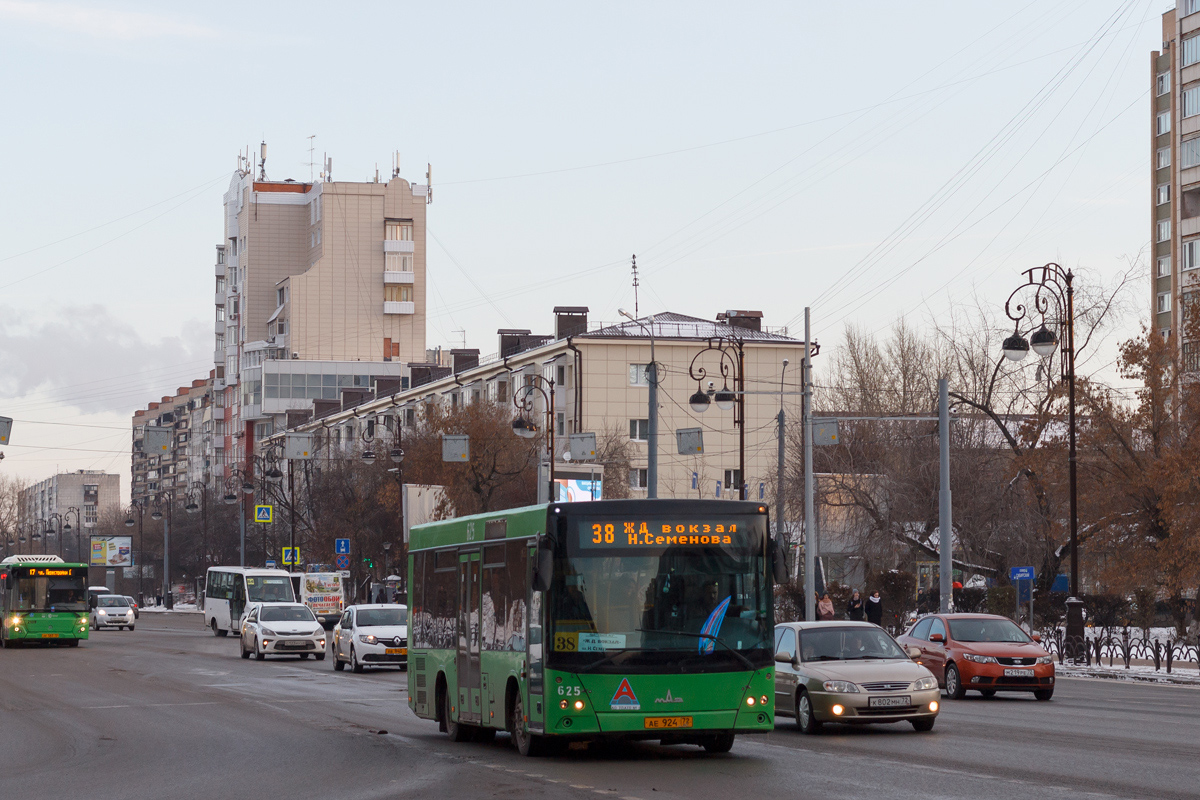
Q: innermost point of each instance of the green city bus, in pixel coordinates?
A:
(43, 599)
(613, 619)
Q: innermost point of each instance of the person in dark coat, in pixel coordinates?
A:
(854, 608)
(874, 608)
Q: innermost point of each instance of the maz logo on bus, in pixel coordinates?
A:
(643, 534)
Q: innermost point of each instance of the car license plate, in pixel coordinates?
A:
(668, 722)
(1018, 673)
(889, 702)
(49, 635)
(396, 651)
(295, 644)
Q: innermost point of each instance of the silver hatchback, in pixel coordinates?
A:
(111, 611)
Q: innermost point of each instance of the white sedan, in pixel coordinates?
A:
(371, 635)
(112, 611)
(281, 629)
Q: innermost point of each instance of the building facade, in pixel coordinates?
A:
(192, 455)
(1175, 170)
(86, 494)
(320, 287)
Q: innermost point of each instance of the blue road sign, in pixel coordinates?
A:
(342, 561)
(341, 546)
(262, 513)
(1021, 573)
(291, 556)
(270, 563)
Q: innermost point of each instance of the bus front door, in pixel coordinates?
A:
(470, 703)
(237, 603)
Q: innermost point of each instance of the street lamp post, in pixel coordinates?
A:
(231, 498)
(1054, 295)
(50, 520)
(731, 361)
(140, 505)
(67, 528)
(274, 476)
(192, 507)
(652, 409)
(169, 496)
(524, 425)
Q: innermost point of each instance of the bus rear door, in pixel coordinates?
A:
(470, 705)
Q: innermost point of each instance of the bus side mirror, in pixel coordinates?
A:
(779, 561)
(544, 568)
(92, 601)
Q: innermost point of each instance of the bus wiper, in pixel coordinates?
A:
(608, 658)
(749, 664)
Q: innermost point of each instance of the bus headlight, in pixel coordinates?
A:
(15, 619)
(750, 701)
(579, 705)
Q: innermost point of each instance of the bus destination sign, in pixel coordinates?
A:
(657, 533)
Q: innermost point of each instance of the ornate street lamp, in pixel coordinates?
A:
(731, 364)
(524, 425)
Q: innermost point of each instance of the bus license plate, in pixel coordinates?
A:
(1018, 673)
(668, 722)
(889, 702)
(396, 651)
(49, 635)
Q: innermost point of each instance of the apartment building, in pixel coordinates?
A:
(1175, 169)
(192, 456)
(320, 288)
(87, 494)
(600, 377)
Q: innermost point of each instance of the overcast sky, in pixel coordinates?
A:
(870, 159)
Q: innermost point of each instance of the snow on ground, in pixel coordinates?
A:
(179, 607)
(1180, 674)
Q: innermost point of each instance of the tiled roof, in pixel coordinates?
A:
(669, 325)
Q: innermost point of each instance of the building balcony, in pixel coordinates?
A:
(219, 299)
(220, 270)
(219, 326)
(399, 307)
(1189, 226)
(397, 246)
(219, 356)
(392, 276)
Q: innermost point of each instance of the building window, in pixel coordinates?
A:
(281, 295)
(1162, 83)
(1189, 7)
(638, 478)
(560, 376)
(1191, 102)
(1188, 254)
(561, 424)
(639, 429)
(733, 479)
(1163, 123)
(639, 374)
(221, 285)
(398, 230)
(220, 313)
(1163, 159)
(1163, 194)
(1163, 230)
(1191, 51)
(398, 262)
(1164, 266)
(401, 292)
(1189, 152)
(1164, 302)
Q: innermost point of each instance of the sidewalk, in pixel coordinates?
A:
(1181, 674)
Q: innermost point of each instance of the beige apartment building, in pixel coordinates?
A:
(1175, 170)
(322, 280)
(192, 456)
(601, 386)
(78, 499)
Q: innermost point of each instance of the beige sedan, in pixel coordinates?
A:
(852, 673)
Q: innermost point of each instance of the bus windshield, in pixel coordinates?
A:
(269, 589)
(49, 589)
(657, 592)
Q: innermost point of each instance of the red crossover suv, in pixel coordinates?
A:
(983, 652)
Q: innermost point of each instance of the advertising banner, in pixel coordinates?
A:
(322, 592)
(112, 551)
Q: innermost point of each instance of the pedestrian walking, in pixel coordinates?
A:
(874, 608)
(825, 608)
(854, 608)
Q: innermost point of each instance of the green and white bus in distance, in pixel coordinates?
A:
(43, 599)
(617, 619)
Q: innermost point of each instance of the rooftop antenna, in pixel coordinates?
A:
(464, 336)
(395, 163)
(635, 285)
(428, 184)
(262, 161)
(311, 162)
(328, 168)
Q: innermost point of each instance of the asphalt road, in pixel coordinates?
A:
(169, 711)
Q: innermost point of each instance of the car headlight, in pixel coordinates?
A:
(319, 632)
(269, 632)
(1045, 660)
(923, 684)
(368, 638)
(844, 687)
(980, 659)
(103, 613)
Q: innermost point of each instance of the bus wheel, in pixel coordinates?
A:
(456, 730)
(527, 743)
(721, 743)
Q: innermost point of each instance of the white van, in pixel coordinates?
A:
(321, 592)
(227, 590)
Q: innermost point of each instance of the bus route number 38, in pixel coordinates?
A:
(603, 534)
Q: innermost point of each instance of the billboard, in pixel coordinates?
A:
(112, 551)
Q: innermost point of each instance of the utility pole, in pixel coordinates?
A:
(168, 602)
(652, 445)
(292, 508)
(810, 528)
(945, 521)
(780, 506)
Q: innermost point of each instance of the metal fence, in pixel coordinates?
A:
(1122, 646)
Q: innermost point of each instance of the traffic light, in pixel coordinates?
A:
(370, 562)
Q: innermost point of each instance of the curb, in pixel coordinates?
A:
(1161, 678)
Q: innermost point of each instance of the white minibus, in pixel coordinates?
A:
(227, 590)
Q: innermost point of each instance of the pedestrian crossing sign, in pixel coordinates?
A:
(262, 513)
(291, 555)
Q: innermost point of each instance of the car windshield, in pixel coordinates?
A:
(628, 595)
(271, 589)
(375, 617)
(987, 630)
(113, 602)
(287, 614)
(847, 644)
